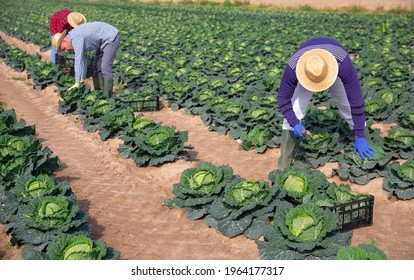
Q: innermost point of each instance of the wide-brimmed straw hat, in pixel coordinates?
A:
(317, 70)
(75, 19)
(58, 38)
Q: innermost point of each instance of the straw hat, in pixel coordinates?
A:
(317, 70)
(58, 38)
(75, 19)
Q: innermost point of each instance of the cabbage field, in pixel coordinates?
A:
(220, 66)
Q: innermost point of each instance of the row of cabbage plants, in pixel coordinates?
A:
(39, 212)
(240, 104)
(263, 212)
(225, 64)
(146, 142)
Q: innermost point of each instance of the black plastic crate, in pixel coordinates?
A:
(355, 214)
(152, 104)
(352, 215)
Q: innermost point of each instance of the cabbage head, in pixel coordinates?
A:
(302, 232)
(114, 122)
(72, 247)
(401, 137)
(400, 142)
(257, 138)
(101, 107)
(76, 247)
(199, 187)
(11, 146)
(399, 180)
(246, 192)
(201, 184)
(406, 119)
(155, 146)
(204, 95)
(29, 187)
(377, 109)
(229, 111)
(243, 206)
(44, 217)
(161, 139)
(269, 101)
(139, 126)
(38, 186)
(260, 115)
(325, 147)
(298, 182)
(32, 187)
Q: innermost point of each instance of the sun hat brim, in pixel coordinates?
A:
(57, 42)
(75, 19)
(330, 78)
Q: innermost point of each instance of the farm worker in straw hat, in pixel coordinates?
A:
(318, 64)
(60, 21)
(100, 37)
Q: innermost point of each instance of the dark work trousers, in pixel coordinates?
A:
(104, 59)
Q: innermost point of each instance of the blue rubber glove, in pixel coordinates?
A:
(297, 131)
(363, 148)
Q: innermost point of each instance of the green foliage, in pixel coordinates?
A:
(298, 182)
(365, 251)
(399, 180)
(71, 98)
(10, 125)
(198, 187)
(154, 147)
(27, 188)
(302, 232)
(357, 170)
(400, 143)
(243, 206)
(45, 217)
(72, 247)
(406, 119)
(114, 122)
(258, 138)
(325, 147)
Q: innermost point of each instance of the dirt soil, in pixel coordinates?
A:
(124, 200)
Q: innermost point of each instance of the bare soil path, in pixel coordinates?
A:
(124, 201)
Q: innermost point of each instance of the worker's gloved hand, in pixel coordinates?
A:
(76, 85)
(297, 131)
(363, 148)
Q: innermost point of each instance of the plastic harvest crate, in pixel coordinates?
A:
(355, 214)
(352, 215)
(152, 104)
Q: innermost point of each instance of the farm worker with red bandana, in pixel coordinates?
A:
(318, 64)
(60, 21)
(100, 37)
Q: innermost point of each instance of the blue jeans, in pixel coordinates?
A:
(53, 51)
